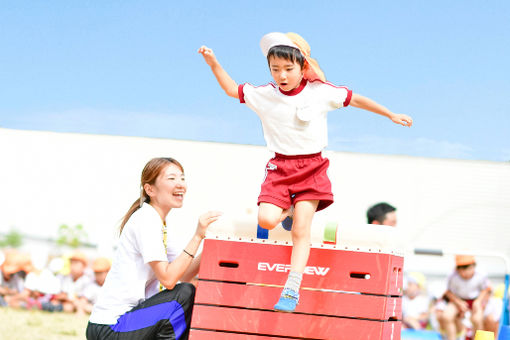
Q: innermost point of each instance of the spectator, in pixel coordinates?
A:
(415, 305)
(382, 213)
(12, 280)
(40, 286)
(436, 291)
(467, 294)
(72, 286)
(492, 313)
(101, 267)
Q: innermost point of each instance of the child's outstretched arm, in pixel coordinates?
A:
(368, 104)
(227, 84)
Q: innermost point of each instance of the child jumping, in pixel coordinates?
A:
(293, 111)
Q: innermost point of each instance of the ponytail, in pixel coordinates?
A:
(134, 207)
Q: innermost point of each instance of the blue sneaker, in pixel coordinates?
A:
(287, 223)
(288, 301)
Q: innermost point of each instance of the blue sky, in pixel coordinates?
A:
(132, 68)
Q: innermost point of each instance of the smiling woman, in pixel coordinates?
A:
(172, 177)
(141, 297)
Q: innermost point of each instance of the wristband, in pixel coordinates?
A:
(192, 256)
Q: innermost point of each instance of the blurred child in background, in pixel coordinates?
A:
(494, 310)
(15, 267)
(71, 286)
(467, 294)
(415, 305)
(101, 267)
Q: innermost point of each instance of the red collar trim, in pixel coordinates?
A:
(295, 91)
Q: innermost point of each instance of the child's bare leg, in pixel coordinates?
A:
(270, 215)
(301, 234)
(491, 325)
(303, 215)
(68, 307)
(477, 317)
(447, 320)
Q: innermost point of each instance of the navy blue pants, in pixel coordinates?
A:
(166, 315)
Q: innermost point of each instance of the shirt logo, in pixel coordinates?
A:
(271, 166)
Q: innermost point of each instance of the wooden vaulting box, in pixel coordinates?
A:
(346, 294)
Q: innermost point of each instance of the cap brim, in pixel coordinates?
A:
(10, 269)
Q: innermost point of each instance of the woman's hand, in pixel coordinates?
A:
(205, 220)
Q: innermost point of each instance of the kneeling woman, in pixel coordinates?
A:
(133, 302)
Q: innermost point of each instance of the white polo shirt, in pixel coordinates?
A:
(131, 279)
(295, 122)
(91, 292)
(468, 289)
(414, 307)
(72, 288)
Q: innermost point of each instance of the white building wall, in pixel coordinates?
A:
(48, 179)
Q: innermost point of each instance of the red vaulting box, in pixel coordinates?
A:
(345, 294)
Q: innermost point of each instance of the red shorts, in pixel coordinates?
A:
(470, 303)
(290, 179)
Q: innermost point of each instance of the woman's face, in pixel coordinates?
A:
(169, 189)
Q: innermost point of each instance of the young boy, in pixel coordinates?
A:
(71, 286)
(101, 266)
(13, 271)
(415, 305)
(468, 290)
(293, 112)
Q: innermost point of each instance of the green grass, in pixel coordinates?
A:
(37, 325)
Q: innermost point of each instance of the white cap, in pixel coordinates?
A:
(274, 39)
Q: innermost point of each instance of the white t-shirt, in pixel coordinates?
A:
(295, 122)
(74, 289)
(131, 279)
(414, 307)
(467, 289)
(16, 282)
(91, 292)
(45, 282)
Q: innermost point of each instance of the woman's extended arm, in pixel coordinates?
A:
(192, 270)
(169, 273)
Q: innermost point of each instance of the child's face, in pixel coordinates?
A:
(466, 272)
(100, 277)
(286, 74)
(412, 290)
(76, 269)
